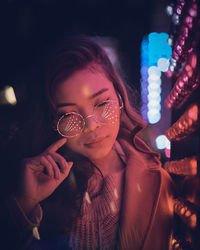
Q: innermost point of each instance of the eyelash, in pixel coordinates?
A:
(101, 102)
(98, 103)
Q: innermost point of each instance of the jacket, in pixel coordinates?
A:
(147, 207)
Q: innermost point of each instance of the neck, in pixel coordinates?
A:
(109, 164)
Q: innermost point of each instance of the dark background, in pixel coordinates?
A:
(29, 26)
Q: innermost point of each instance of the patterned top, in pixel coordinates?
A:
(97, 228)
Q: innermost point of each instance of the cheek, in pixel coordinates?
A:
(73, 144)
(115, 130)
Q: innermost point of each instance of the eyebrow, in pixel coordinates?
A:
(91, 97)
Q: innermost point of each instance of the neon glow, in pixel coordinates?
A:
(152, 105)
(155, 54)
(154, 86)
(162, 142)
(163, 64)
(153, 116)
(167, 153)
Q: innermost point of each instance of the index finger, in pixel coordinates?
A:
(56, 145)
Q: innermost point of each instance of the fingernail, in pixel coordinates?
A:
(70, 163)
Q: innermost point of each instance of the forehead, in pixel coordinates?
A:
(82, 84)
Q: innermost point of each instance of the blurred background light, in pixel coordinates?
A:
(169, 10)
(167, 153)
(156, 97)
(162, 142)
(153, 116)
(153, 77)
(153, 105)
(154, 70)
(163, 64)
(153, 95)
(154, 85)
(7, 96)
(10, 95)
(154, 88)
(155, 54)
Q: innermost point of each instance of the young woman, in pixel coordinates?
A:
(97, 185)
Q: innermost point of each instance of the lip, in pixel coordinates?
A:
(95, 141)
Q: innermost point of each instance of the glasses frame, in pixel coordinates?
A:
(83, 118)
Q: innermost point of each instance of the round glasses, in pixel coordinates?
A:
(72, 124)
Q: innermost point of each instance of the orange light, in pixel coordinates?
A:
(184, 210)
(189, 70)
(193, 113)
(186, 166)
(186, 124)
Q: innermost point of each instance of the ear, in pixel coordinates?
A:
(121, 104)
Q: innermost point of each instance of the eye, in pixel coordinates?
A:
(61, 113)
(101, 104)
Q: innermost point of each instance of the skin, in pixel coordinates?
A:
(43, 173)
(78, 89)
(41, 176)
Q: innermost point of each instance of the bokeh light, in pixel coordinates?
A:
(155, 54)
(163, 64)
(10, 95)
(162, 142)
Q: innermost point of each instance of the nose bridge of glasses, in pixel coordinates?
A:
(90, 124)
(89, 116)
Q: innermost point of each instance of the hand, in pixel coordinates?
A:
(41, 175)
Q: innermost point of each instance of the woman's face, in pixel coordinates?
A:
(80, 93)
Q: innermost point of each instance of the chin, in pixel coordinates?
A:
(100, 153)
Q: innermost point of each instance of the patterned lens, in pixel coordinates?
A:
(107, 112)
(70, 124)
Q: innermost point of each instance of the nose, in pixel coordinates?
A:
(90, 123)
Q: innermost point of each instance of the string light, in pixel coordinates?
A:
(185, 85)
(184, 42)
(180, 244)
(185, 166)
(185, 125)
(186, 212)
